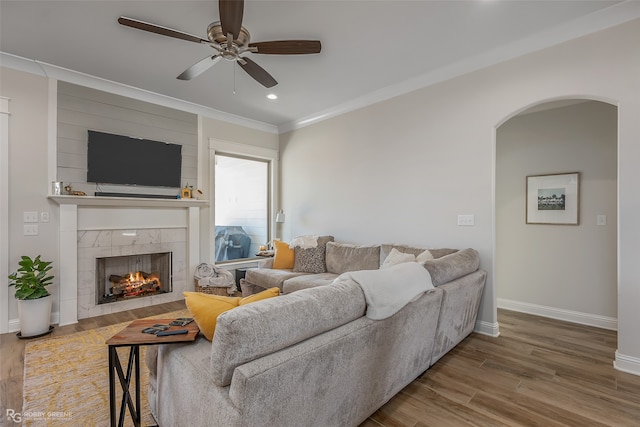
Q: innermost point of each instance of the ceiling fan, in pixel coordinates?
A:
(231, 41)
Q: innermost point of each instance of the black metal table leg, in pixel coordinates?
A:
(133, 368)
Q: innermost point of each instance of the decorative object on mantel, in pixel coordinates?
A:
(553, 199)
(186, 191)
(56, 188)
(34, 301)
(71, 192)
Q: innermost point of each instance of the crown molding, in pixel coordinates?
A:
(44, 69)
(612, 16)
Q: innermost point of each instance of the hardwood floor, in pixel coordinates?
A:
(539, 372)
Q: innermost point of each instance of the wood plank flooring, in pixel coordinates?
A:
(539, 372)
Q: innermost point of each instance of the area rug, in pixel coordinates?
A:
(66, 379)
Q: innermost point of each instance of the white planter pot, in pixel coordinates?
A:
(35, 316)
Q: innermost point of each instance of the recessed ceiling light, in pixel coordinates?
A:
(272, 96)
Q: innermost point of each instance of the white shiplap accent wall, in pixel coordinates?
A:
(81, 109)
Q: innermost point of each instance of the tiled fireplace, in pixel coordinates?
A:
(108, 253)
(124, 277)
(93, 229)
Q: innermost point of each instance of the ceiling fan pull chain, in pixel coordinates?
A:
(234, 78)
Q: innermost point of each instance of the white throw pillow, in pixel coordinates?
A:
(397, 257)
(424, 257)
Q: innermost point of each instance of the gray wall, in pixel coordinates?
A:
(403, 169)
(28, 180)
(81, 109)
(559, 270)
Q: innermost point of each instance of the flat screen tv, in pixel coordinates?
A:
(117, 159)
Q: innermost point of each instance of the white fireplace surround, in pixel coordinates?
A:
(93, 244)
(93, 227)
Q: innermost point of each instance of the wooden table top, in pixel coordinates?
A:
(133, 335)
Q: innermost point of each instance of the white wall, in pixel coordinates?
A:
(569, 271)
(403, 169)
(28, 180)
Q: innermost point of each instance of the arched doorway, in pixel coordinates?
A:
(562, 271)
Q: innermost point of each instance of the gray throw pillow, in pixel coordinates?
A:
(452, 266)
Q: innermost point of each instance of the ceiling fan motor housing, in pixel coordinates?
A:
(215, 35)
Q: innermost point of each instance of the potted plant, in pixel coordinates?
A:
(34, 301)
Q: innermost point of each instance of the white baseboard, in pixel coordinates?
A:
(560, 314)
(14, 324)
(486, 328)
(628, 364)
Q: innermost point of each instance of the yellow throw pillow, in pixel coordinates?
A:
(206, 308)
(283, 258)
(269, 293)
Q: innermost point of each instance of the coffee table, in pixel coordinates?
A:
(132, 337)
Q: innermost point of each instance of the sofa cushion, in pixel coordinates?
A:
(452, 266)
(283, 258)
(269, 278)
(307, 281)
(386, 248)
(262, 328)
(311, 260)
(343, 257)
(397, 257)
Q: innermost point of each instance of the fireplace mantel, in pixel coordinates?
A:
(91, 213)
(128, 202)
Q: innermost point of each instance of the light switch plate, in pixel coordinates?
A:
(466, 220)
(30, 216)
(30, 229)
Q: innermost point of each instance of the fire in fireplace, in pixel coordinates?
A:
(135, 284)
(125, 277)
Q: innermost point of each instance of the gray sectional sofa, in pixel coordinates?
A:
(312, 357)
(339, 258)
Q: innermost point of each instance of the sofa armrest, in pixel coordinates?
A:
(266, 263)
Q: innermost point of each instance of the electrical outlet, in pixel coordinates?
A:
(466, 220)
(44, 216)
(30, 216)
(31, 229)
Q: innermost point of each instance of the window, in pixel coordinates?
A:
(241, 206)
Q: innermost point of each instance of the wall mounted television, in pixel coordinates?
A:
(117, 159)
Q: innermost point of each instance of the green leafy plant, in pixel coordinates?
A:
(31, 278)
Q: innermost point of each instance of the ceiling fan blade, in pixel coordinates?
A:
(199, 67)
(157, 29)
(231, 12)
(257, 72)
(287, 47)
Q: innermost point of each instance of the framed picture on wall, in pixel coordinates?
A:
(553, 199)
